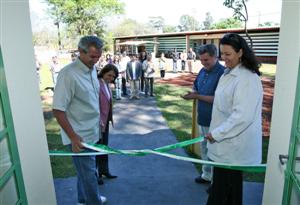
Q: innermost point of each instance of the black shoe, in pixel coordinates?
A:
(109, 176)
(200, 180)
(100, 180)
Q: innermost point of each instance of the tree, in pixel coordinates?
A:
(188, 23)
(240, 12)
(130, 27)
(227, 23)
(157, 22)
(86, 17)
(207, 23)
(169, 29)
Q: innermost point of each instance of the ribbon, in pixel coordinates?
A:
(162, 151)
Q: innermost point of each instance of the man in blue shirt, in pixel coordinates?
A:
(204, 90)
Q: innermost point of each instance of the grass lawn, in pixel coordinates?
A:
(177, 113)
(268, 70)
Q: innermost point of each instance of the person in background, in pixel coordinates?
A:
(76, 109)
(38, 67)
(149, 71)
(183, 57)
(161, 65)
(174, 58)
(204, 90)
(118, 81)
(100, 64)
(108, 58)
(142, 58)
(55, 68)
(235, 134)
(191, 57)
(73, 56)
(106, 76)
(133, 75)
(122, 72)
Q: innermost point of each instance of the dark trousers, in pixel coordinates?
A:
(182, 65)
(102, 160)
(162, 73)
(149, 85)
(124, 89)
(142, 81)
(227, 187)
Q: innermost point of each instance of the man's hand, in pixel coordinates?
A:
(210, 138)
(76, 144)
(190, 96)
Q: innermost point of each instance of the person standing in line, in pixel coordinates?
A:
(204, 90)
(133, 75)
(73, 56)
(149, 71)
(235, 134)
(38, 68)
(118, 81)
(175, 58)
(55, 68)
(100, 64)
(191, 57)
(122, 72)
(106, 76)
(76, 109)
(142, 58)
(108, 58)
(161, 65)
(183, 57)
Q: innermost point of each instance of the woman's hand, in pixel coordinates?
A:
(102, 126)
(210, 138)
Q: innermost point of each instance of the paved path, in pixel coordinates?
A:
(149, 179)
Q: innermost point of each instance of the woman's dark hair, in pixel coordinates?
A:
(107, 68)
(248, 58)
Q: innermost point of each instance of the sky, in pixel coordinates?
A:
(260, 11)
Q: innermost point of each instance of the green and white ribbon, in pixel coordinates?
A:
(162, 151)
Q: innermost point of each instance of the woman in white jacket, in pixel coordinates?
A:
(235, 131)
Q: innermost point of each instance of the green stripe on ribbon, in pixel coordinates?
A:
(162, 151)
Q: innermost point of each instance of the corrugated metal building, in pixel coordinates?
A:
(265, 41)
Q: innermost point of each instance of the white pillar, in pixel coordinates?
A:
(23, 90)
(284, 97)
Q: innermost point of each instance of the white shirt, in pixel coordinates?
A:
(236, 118)
(123, 63)
(133, 70)
(77, 94)
(148, 67)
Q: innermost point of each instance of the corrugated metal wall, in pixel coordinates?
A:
(264, 44)
(169, 43)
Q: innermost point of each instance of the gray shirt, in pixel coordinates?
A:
(77, 94)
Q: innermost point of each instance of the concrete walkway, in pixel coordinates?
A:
(149, 179)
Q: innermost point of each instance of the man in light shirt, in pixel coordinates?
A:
(133, 73)
(76, 108)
